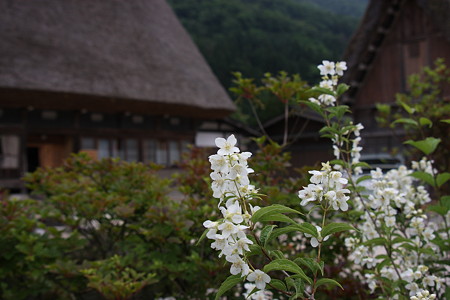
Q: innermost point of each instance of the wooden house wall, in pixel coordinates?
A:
(411, 43)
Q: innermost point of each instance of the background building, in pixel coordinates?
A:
(112, 78)
(395, 39)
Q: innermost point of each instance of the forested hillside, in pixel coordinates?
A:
(258, 36)
(354, 8)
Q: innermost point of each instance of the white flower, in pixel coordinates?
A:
(326, 99)
(336, 151)
(358, 128)
(317, 177)
(218, 184)
(219, 244)
(228, 228)
(309, 194)
(314, 100)
(390, 221)
(233, 213)
(242, 244)
(413, 288)
(429, 280)
(326, 68)
(260, 278)
(328, 84)
(428, 234)
(218, 163)
(238, 170)
(341, 66)
(315, 241)
(239, 266)
(423, 295)
(227, 147)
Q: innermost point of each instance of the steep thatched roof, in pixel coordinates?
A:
(379, 17)
(131, 55)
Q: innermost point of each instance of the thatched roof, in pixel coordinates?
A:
(379, 17)
(122, 55)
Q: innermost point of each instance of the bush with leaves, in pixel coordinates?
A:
(103, 229)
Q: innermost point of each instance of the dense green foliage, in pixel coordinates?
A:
(353, 8)
(103, 227)
(258, 36)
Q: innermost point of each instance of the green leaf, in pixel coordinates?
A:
(362, 164)
(310, 263)
(335, 227)
(323, 90)
(307, 228)
(442, 210)
(442, 178)
(338, 111)
(446, 121)
(376, 242)
(408, 108)
(383, 108)
(406, 121)
(425, 122)
(445, 201)
(342, 88)
(276, 254)
(228, 284)
(328, 281)
(447, 292)
(254, 250)
(202, 237)
(427, 146)
(314, 106)
(426, 177)
(277, 218)
(272, 210)
(385, 262)
(298, 285)
(279, 231)
(337, 162)
(265, 234)
(286, 265)
(278, 284)
(363, 178)
(401, 239)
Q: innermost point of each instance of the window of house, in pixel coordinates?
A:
(104, 148)
(88, 143)
(149, 147)
(9, 151)
(130, 150)
(161, 153)
(174, 152)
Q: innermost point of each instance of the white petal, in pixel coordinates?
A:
(220, 142)
(232, 140)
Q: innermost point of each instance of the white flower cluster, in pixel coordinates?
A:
(388, 195)
(232, 186)
(327, 188)
(331, 72)
(424, 165)
(423, 295)
(355, 152)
